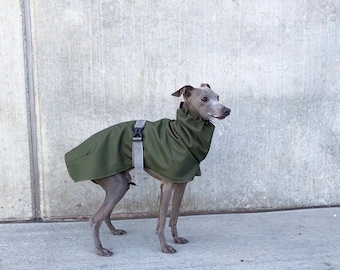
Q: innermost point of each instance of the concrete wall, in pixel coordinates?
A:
(15, 177)
(96, 63)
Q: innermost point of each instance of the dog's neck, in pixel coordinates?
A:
(183, 105)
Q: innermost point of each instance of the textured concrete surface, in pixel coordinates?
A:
(96, 63)
(15, 180)
(274, 63)
(302, 239)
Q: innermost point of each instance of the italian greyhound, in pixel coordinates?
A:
(204, 104)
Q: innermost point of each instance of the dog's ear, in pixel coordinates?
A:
(205, 85)
(185, 91)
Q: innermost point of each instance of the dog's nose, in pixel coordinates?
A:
(226, 111)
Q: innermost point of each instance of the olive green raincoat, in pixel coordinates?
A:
(173, 149)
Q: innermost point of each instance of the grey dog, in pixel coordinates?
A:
(172, 150)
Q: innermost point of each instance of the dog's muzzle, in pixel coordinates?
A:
(226, 111)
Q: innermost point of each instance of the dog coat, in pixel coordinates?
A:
(172, 149)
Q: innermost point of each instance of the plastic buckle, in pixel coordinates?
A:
(138, 131)
(137, 134)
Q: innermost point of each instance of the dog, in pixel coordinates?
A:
(172, 150)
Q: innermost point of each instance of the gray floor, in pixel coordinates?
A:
(299, 239)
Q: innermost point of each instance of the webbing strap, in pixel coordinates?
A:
(137, 146)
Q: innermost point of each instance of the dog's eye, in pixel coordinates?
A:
(218, 98)
(204, 99)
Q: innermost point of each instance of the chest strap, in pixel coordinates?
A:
(137, 146)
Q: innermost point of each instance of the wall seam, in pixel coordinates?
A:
(31, 109)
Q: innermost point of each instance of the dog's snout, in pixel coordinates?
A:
(226, 111)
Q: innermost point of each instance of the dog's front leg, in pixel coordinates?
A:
(166, 191)
(176, 204)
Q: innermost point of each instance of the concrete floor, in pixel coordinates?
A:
(298, 239)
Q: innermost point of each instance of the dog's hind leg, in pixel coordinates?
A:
(166, 191)
(107, 220)
(115, 188)
(112, 228)
(176, 204)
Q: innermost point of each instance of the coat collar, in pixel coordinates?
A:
(192, 114)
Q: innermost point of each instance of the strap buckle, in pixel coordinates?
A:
(137, 131)
(137, 146)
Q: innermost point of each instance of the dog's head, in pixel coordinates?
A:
(203, 101)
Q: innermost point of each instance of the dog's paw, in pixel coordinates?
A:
(118, 232)
(168, 249)
(180, 240)
(104, 252)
